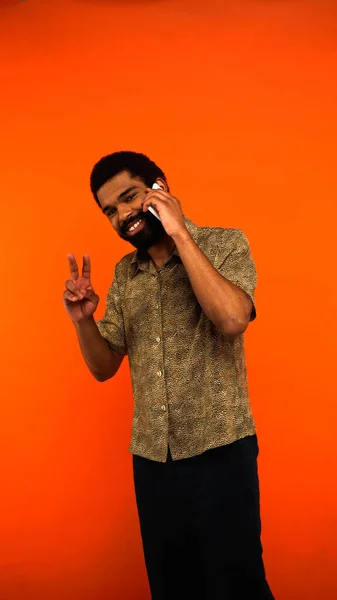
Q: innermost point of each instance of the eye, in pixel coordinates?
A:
(130, 198)
(110, 212)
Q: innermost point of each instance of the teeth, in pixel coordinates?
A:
(135, 225)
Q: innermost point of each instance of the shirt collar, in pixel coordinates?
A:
(141, 261)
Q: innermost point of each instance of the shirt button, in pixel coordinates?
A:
(163, 408)
(158, 339)
(159, 373)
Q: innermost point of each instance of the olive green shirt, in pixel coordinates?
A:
(189, 381)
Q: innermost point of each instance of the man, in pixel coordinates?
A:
(178, 307)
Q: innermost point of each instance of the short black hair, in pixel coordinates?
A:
(135, 163)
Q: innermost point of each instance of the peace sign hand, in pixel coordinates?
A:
(79, 298)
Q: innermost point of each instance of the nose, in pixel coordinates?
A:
(124, 215)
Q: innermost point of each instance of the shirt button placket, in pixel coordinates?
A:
(160, 373)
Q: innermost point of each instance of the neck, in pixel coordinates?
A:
(162, 251)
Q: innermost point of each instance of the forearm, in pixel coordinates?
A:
(226, 305)
(102, 362)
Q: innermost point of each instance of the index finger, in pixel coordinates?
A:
(86, 269)
(73, 267)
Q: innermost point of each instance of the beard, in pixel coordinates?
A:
(150, 234)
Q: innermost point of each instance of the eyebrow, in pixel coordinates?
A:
(120, 197)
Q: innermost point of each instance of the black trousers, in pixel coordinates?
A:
(200, 525)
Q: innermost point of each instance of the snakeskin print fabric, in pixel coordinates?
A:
(189, 381)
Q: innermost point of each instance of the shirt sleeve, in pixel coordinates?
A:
(235, 263)
(111, 327)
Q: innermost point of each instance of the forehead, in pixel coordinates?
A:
(110, 191)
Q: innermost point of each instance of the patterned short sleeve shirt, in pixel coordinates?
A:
(189, 381)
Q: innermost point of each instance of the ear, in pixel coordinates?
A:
(162, 184)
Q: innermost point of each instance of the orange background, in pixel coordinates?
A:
(236, 101)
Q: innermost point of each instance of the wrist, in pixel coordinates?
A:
(182, 237)
(84, 322)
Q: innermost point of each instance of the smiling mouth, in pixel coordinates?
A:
(134, 227)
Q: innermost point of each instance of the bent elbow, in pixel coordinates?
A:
(101, 378)
(234, 328)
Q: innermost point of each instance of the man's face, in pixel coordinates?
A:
(121, 200)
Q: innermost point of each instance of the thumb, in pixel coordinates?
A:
(92, 296)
